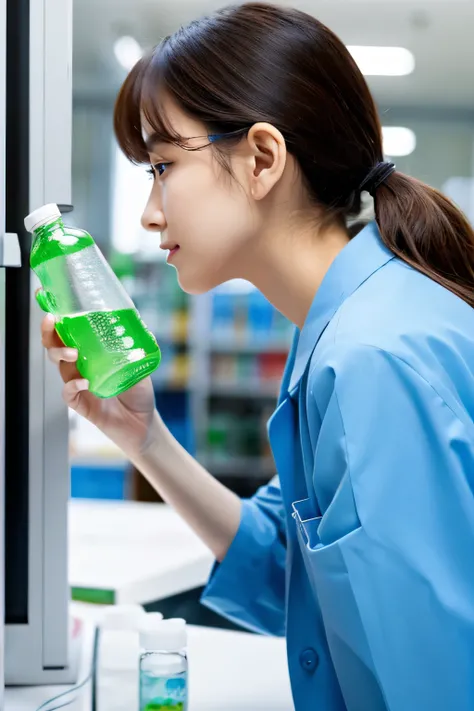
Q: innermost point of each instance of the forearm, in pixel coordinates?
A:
(212, 510)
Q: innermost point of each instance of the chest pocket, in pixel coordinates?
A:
(319, 541)
(319, 535)
(311, 507)
(338, 597)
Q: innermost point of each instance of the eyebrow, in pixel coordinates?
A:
(152, 141)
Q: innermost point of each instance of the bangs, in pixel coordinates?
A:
(142, 98)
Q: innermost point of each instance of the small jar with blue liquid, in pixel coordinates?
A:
(164, 666)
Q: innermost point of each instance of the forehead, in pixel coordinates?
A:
(178, 121)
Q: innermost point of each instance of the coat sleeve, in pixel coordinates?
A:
(396, 585)
(248, 587)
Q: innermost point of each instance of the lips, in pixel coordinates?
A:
(172, 248)
(169, 245)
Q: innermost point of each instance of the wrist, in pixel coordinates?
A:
(157, 432)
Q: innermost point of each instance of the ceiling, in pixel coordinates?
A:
(438, 32)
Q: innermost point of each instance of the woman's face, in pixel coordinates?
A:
(206, 217)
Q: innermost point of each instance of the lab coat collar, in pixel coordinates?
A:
(359, 259)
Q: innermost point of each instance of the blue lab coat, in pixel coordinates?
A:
(361, 552)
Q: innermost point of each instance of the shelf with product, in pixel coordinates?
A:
(243, 343)
(237, 444)
(242, 375)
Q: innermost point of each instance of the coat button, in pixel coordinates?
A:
(309, 660)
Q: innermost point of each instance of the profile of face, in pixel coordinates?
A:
(213, 221)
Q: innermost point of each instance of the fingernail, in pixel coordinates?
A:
(50, 318)
(82, 385)
(71, 353)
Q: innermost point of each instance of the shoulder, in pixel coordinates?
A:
(353, 376)
(370, 396)
(397, 303)
(402, 317)
(371, 390)
(349, 358)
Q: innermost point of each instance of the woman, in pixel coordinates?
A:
(262, 136)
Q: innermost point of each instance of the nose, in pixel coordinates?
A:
(153, 218)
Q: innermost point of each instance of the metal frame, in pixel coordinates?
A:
(41, 652)
(3, 37)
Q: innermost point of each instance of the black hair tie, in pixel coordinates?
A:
(376, 177)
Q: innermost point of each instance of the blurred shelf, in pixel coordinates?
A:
(246, 389)
(171, 338)
(168, 387)
(244, 345)
(171, 341)
(98, 461)
(242, 467)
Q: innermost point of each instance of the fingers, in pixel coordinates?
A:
(75, 391)
(57, 351)
(77, 397)
(49, 337)
(58, 355)
(73, 388)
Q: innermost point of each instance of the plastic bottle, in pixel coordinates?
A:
(93, 311)
(164, 666)
(117, 658)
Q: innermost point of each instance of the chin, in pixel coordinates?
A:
(196, 285)
(195, 281)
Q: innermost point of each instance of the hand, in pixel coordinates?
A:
(125, 419)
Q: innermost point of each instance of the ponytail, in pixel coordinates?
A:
(424, 228)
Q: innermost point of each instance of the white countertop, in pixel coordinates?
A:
(140, 552)
(145, 552)
(229, 671)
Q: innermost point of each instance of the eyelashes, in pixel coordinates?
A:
(157, 169)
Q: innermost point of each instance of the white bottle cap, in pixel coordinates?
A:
(123, 617)
(151, 617)
(41, 216)
(164, 636)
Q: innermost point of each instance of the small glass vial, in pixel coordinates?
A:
(164, 666)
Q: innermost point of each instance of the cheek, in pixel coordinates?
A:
(203, 206)
(213, 251)
(217, 223)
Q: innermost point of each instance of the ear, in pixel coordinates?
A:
(268, 158)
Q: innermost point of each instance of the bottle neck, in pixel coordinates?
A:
(47, 229)
(164, 663)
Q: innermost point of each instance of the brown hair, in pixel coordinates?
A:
(258, 62)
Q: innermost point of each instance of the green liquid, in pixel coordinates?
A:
(116, 350)
(166, 706)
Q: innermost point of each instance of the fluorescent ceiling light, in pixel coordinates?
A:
(383, 61)
(127, 52)
(398, 141)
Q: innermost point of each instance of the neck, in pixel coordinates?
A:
(288, 266)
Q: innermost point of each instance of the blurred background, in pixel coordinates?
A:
(224, 352)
